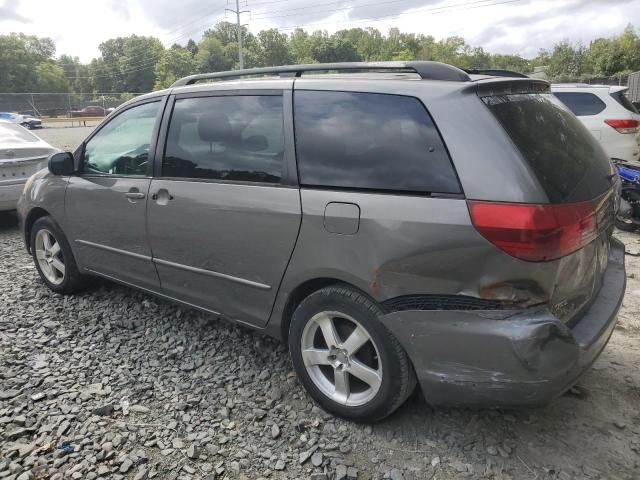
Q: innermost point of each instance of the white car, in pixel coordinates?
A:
(607, 113)
(21, 155)
(27, 121)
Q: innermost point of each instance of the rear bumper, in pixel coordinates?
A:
(9, 195)
(503, 358)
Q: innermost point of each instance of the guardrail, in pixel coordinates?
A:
(81, 121)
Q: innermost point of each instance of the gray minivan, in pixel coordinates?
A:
(392, 222)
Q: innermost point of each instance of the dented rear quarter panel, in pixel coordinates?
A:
(413, 245)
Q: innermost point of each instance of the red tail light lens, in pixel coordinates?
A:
(624, 126)
(535, 232)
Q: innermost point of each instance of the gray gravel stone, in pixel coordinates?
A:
(231, 396)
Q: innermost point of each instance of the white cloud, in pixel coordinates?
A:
(506, 26)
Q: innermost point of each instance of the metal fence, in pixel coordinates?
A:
(634, 87)
(59, 104)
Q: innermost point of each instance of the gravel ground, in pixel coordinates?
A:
(113, 383)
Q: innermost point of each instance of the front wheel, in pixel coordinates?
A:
(346, 359)
(53, 257)
(27, 126)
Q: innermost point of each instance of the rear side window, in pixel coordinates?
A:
(581, 103)
(567, 160)
(370, 141)
(239, 138)
(622, 99)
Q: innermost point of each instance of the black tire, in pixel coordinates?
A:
(626, 227)
(398, 378)
(73, 281)
(632, 196)
(27, 126)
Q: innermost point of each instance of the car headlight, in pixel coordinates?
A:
(28, 183)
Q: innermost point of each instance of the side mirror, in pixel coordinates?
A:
(61, 164)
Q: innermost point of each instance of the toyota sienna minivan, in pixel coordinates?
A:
(395, 223)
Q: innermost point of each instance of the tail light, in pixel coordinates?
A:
(624, 126)
(535, 232)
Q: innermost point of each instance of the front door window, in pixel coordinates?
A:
(121, 147)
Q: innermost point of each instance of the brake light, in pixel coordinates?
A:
(535, 232)
(624, 126)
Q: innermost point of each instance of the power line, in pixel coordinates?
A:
(445, 8)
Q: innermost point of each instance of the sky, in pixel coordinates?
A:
(500, 26)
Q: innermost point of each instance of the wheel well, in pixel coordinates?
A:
(33, 215)
(301, 292)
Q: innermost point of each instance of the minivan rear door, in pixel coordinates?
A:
(224, 211)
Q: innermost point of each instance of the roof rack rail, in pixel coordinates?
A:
(426, 70)
(496, 73)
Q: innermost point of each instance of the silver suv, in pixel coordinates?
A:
(392, 222)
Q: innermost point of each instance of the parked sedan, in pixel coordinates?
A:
(26, 121)
(91, 111)
(21, 155)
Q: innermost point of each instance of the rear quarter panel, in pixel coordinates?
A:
(410, 245)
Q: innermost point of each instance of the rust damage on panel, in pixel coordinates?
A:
(518, 293)
(375, 282)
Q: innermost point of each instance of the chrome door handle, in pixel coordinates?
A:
(134, 195)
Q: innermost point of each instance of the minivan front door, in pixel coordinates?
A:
(106, 202)
(223, 217)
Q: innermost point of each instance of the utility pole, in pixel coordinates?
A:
(238, 12)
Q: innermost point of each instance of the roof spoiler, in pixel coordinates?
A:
(497, 73)
(512, 86)
(426, 71)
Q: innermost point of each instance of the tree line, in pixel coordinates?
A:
(140, 64)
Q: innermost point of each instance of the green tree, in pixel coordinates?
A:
(130, 62)
(173, 64)
(335, 49)
(211, 55)
(566, 61)
(51, 78)
(273, 48)
(20, 55)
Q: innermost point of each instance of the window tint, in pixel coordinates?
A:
(226, 138)
(370, 141)
(567, 160)
(581, 104)
(121, 147)
(622, 99)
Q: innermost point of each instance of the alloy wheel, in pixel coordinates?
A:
(49, 257)
(341, 358)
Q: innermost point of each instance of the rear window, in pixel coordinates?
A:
(622, 99)
(370, 141)
(567, 160)
(581, 103)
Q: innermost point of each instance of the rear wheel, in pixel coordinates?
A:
(53, 257)
(346, 359)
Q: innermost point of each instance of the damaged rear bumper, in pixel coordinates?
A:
(507, 358)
